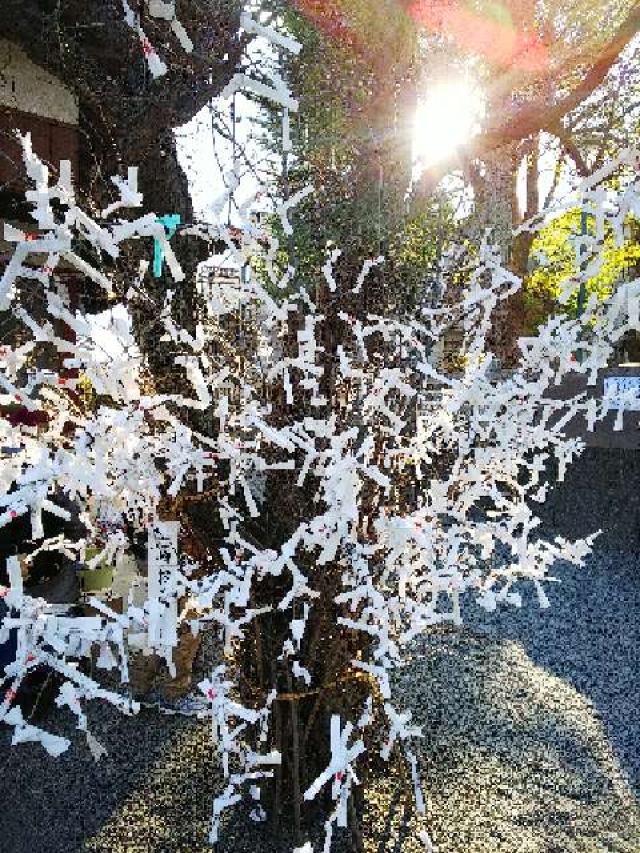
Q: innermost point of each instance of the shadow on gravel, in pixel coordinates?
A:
(589, 637)
(515, 759)
(52, 805)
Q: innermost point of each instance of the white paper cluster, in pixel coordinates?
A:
(471, 529)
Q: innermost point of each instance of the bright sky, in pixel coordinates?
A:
(205, 155)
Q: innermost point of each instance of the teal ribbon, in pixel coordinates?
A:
(170, 224)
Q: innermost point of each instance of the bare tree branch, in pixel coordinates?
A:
(557, 172)
(570, 147)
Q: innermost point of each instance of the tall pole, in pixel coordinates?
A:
(582, 290)
(380, 200)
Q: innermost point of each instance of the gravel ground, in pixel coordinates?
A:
(531, 724)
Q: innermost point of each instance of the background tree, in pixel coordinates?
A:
(352, 135)
(540, 68)
(128, 115)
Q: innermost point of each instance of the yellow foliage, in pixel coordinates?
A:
(556, 261)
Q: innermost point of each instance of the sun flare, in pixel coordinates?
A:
(446, 117)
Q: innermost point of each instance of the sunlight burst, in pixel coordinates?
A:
(446, 118)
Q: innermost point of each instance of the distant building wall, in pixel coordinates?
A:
(604, 435)
(26, 87)
(601, 489)
(33, 101)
